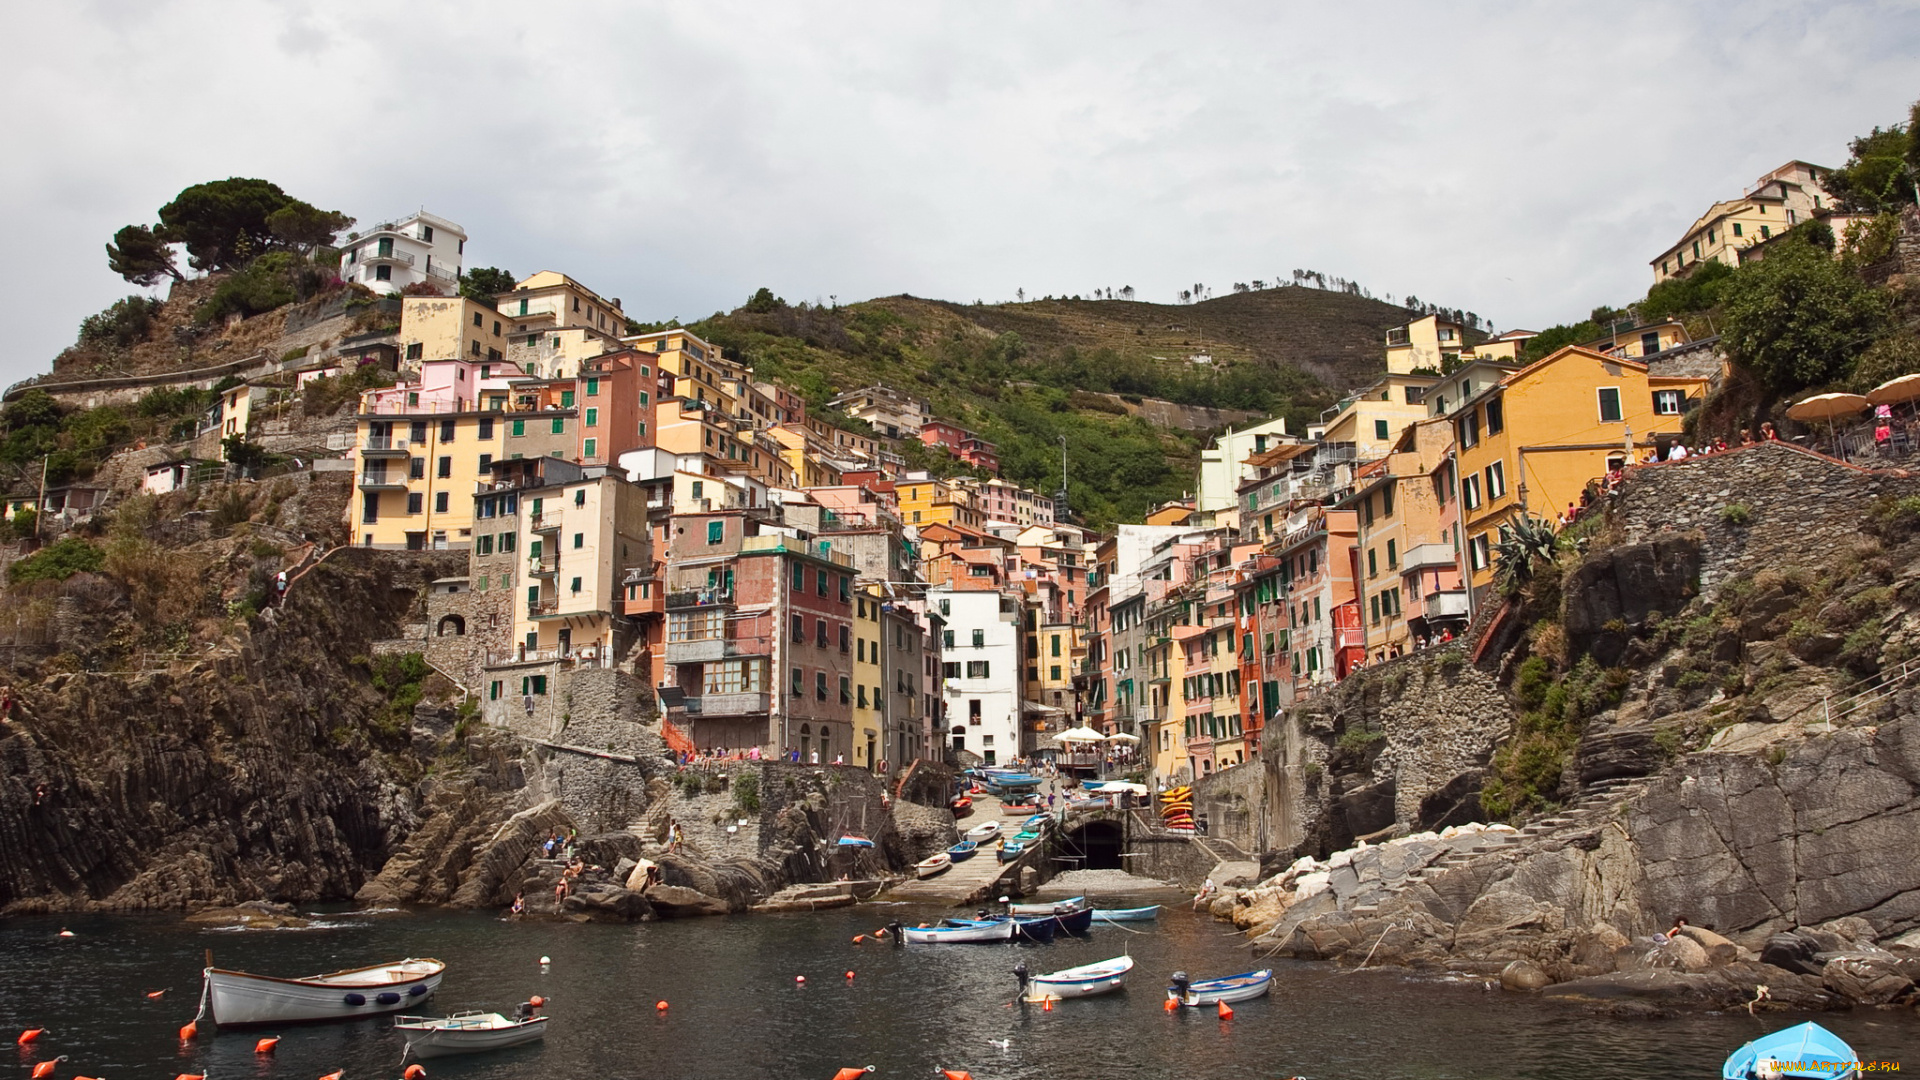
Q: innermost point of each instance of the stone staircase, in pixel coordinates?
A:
(1592, 806)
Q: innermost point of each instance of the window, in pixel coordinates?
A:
(846, 690)
(593, 388)
(486, 428)
(590, 448)
(1765, 230)
(440, 502)
(417, 468)
(732, 677)
(846, 639)
(579, 541)
(1496, 480)
(559, 425)
(519, 428)
(1380, 429)
(978, 669)
(799, 682)
(1373, 568)
(862, 700)
(1609, 404)
(799, 629)
(1470, 492)
(1393, 554)
(820, 685)
(1668, 402)
(1469, 425)
(415, 350)
(566, 399)
(950, 669)
(446, 430)
(383, 273)
(414, 502)
(576, 585)
(979, 639)
(820, 582)
(1479, 552)
(820, 632)
(445, 468)
(846, 586)
(593, 417)
(1496, 417)
(716, 531)
(1054, 672)
(476, 319)
(1737, 231)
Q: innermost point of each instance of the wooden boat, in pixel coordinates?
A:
(1805, 1050)
(1075, 922)
(970, 932)
(1127, 914)
(854, 840)
(1057, 907)
(1244, 987)
(961, 806)
(1011, 850)
(466, 1033)
(1083, 981)
(984, 831)
(1037, 822)
(1018, 810)
(962, 851)
(1040, 931)
(232, 998)
(937, 863)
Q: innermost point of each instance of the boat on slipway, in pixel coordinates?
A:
(230, 998)
(937, 863)
(962, 851)
(1244, 987)
(467, 1033)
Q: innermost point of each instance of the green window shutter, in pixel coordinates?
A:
(591, 447)
(566, 399)
(519, 427)
(559, 425)
(593, 387)
(593, 417)
(533, 595)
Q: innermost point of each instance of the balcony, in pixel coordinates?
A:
(545, 564)
(383, 446)
(694, 598)
(748, 704)
(375, 257)
(703, 650)
(547, 521)
(548, 606)
(1349, 637)
(382, 481)
(1427, 557)
(1447, 605)
(643, 605)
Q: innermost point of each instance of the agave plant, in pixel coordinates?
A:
(1523, 543)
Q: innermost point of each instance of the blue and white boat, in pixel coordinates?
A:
(962, 851)
(1127, 914)
(1806, 1050)
(1012, 850)
(853, 840)
(1039, 930)
(1057, 907)
(1083, 981)
(1244, 987)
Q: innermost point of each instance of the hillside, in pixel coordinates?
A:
(1026, 375)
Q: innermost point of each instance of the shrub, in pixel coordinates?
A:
(1357, 740)
(122, 325)
(1736, 514)
(746, 793)
(58, 562)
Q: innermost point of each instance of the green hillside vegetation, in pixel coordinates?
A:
(1025, 375)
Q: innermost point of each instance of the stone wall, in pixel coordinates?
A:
(1234, 801)
(1794, 502)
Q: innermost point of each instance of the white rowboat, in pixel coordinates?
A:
(1083, 981)
(986, 931)
(466, 1033)
(938, 863)
(1058, 907)
(1233, 988)
(980, 834)
(235, 997)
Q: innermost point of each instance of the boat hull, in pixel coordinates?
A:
(1088, 981)
(1225, 991)
(962, 851)
(938, 864)
(952, 935)
(1058, 907)
(1134, 914)
(1808, 1050)
(984, 832)
(442, 1038)
(237, 999)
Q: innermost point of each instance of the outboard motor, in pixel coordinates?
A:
(1020, 972)
(894, 933)
(1180, 984)
(981, 914)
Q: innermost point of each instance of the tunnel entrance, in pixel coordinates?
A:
(1093, 846)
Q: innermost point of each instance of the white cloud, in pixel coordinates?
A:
(1520, 159)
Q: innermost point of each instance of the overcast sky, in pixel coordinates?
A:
(1523, 160)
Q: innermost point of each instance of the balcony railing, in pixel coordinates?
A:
(748, 704)
(1443, 605)
(1427, 557)
(378, 256)
(544, 565)
(384, 444)
(544, 607)
(382, 481)
(544, 522)
(694, 598)
(703, 650)
(442, 274)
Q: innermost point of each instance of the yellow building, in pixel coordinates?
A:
(556, 353)
(450, 328)
(805, 455)
(1635, 342)
(869, 694)
(699, 371)
(563, 302)
(1533, 441)
(236, 412)
(1788, 196)
(1371, 420)
(931, 501)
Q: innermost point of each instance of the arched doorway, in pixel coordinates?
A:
(453, 626)
(1097, 846)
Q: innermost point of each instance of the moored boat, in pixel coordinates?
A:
(231, 998)
(962, 851)
(1127, 914)
(970, 932)
(1243, 987)
(937, 863)
(1039, 930)
(467, 1033)
(1074, 922)
(984, 831)
(1086, 980)
(1057, 907)
(1804, 1050)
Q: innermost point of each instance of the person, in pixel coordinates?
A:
(523, 1011)
(1767, 432)
(813, 757)
(1207, 889)
(520, 904)
(280, 588)
(1678, 452)
(1200, 823)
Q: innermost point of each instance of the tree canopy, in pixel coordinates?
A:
(483, 283)
(1881, 173)
(224, 225)
(1797, 318)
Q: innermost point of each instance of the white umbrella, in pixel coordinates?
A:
(1123, 737)
(1829, 407)
(1895, 391)
(1080, 734)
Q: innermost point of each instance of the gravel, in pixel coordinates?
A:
(1103, 883)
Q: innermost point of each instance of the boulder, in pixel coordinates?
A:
(1524, 976)
(1794, 951)
(923, 830)
(680, 902)
(1456, 802)
(1594, 949)
(1679, 953)
(600, 902)
(1865, 980)
(1260, 908)
(1720, 951)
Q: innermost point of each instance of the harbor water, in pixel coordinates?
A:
(736, 1011)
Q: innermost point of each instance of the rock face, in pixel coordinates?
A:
(1613, 592)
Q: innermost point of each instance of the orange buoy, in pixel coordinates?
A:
(155, 993)
(266, 1046)
(880, 933)
(660, 1006)
(858, 938)
(1226, 1012)
(1046, 1005)
(1170, 1005)
(191, 1076)
(86, 1078)
(190, 1030)
(536, 1001)
(849, 974)
(852, 1074)
(45, 1068)
(29, 1035)
(955, 1074)
(414, 1072)
(335, 1074)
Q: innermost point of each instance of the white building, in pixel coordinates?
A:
(980, 671)
(1224, 464)
(892, 413)
(391, 256)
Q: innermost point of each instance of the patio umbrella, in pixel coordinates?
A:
(1895, 391)
(1080, 734)
(1123, 737)
(1829, 407)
